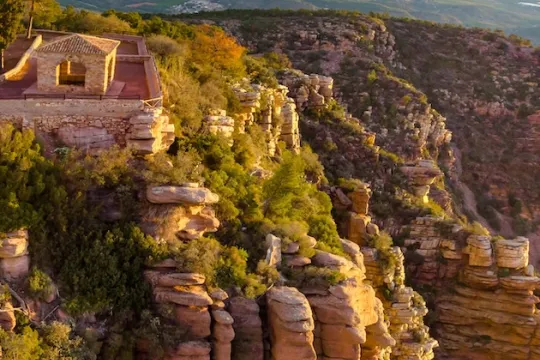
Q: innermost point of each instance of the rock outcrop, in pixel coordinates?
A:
(272, 110)
(217, 122)
(421, 177)
(291, 324)
(206, 323)
(483, 291)
(14, 259)
(248, 341)
(150, 132)
(179, 212)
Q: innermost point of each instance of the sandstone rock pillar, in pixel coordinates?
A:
(291, 324)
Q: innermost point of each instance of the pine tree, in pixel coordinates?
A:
(11, 12)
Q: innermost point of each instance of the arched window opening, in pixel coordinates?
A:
(71, 73)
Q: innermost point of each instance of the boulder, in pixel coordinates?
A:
(13, 269)
(180, 195)
(187, 296)
(219, 294)
(222, 317)
(174, 279)
(332, 261)
(14, 245)
(273, 250)
(296, 261)
(513, 254)
(7, 317)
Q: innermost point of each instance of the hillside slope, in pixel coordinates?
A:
(512, 17)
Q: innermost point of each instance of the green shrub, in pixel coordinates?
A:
(372, 77)
(54, 341)
(163, 169)
(109, 168)
(223, 267)
(163, 46)
(382, 242)
(312, 276)
(23, 346)
(40, 285)
(99, 266)
(29, 184)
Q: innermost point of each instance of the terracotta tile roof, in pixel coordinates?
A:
(80, 44)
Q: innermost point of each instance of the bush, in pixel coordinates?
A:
(163, 169)
(223, 267)
(109, 168)
(312, 276)
(163, 46)
(100, 267)
(383, 242)
(40, 285)
(23, 346)
(29, 183)
(53, 342)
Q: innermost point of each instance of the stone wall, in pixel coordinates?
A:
(59, 107)
(92, 124)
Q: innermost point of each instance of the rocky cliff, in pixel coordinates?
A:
(390, 136)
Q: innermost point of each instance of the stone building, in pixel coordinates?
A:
(88, 92)
(77, 64)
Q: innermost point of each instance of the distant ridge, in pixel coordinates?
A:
(521, 18)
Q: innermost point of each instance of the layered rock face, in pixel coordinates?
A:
(207, 326)
(322, 319)
(248, 343)
(150, 132)
(342, 311)
(309, 91)
(14, 259)
(482, 291)
(179, 212)
(273, 110)
(385, 272)
(291, 324)
(217, 122)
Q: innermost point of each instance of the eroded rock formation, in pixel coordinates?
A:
(206, 324)
(482, 291)
(179, 212)
(14, 259)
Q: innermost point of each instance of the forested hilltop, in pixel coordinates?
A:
(313, 205)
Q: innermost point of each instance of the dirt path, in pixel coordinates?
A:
(469, 199)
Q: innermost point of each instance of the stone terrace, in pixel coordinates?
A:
(135, 69)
